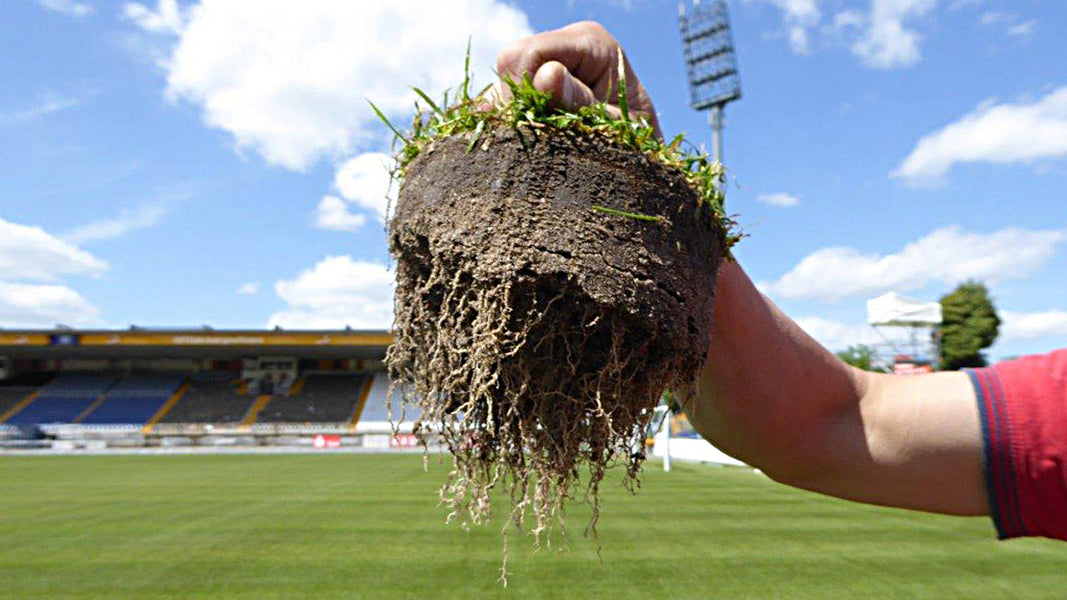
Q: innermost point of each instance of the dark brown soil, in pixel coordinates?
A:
(534, 332)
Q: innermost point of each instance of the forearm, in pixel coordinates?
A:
(773, 397)
(920, 446)
(767, 386)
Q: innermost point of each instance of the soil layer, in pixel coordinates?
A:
(536, 325)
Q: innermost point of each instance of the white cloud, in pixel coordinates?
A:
(992, 17)
(1030, 326)
(1012, 23)
(365, 181)
(67, 7)
(627, 5)
(290, 80)
(948, 255)
(836, 335)
(332, 213)
(48, 104)
(165, 19)
(848, 20)
(146, 215)
(994, 133)
(30, 253)
(248, 289)
(44, 305)
(799, 18)
(887, 42)
(882, 36)
(778, 199)
(1023, 29)
(337, 292)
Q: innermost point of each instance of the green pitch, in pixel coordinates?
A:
(366, 526)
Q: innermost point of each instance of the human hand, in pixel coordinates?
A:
(578, 65)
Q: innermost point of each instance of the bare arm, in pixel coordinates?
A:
(772, 396)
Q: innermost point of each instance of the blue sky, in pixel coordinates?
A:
(185, 163)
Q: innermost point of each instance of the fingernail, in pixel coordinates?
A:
(568, 91)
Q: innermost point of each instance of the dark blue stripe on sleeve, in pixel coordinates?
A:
(1013, 514)
(988, 459)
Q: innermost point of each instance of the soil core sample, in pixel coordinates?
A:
(550, 286)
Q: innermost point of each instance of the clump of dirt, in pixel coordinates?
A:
(550, 286)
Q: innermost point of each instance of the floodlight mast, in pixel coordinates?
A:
(710, 62)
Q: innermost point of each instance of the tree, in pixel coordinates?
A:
(859, 356)
(969, 324)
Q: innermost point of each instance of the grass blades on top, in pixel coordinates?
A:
(531, 108)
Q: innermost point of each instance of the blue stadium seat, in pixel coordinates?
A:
(375, 409)
(146, 386)
(64, 398)
(51, 410)
(134, 400)
(126, 410)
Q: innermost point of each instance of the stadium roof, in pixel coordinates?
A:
(192, 343)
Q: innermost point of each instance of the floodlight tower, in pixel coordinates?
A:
(710, 62)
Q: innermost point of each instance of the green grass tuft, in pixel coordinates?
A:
(531, 109)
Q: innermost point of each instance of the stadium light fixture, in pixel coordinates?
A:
(710, 62)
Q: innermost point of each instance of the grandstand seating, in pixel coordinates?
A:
(324, 398)
(78, 385)
(375, 409)
(51, 410)
(210, 399)
(64, 398)
(10, 396)
(134, 400)
(144, 386)
(124, 411)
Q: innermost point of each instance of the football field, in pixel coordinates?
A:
(367, 526)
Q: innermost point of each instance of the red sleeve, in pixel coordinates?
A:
(1023, 407)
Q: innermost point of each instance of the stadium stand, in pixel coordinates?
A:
(11, 396)
(211, 398)
(322, 399)
(64, 398)
(77, 385)
(133, 400)
(375, 409)
(72, 390)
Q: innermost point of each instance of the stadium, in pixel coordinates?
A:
(144, 388)
(230, 162)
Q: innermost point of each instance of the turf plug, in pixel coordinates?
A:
(555, 273)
